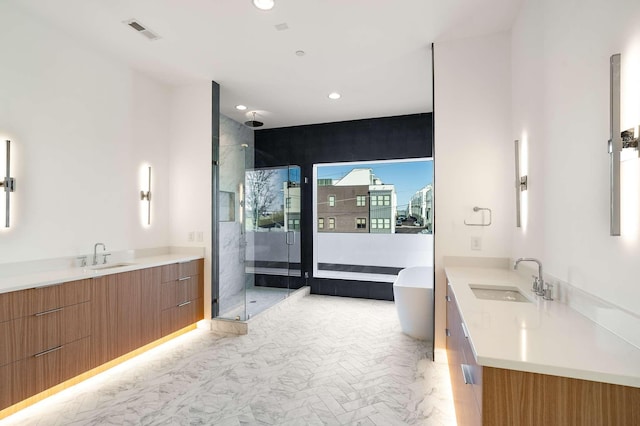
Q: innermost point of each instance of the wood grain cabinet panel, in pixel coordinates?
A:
(44, 299)
(104, 310)
(150, 305)
(191, 268)
(129, 319)
(13, 305)
(169, 272)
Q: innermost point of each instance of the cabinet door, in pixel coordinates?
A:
(129, 322)
(150, 305)
(104, 320)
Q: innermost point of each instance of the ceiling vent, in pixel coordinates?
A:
(136, 25)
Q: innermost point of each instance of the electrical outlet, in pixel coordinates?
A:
(190, 236)
(200, 236)
(476, 243)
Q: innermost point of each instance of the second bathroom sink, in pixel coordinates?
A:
(110, 266)
(500, 293)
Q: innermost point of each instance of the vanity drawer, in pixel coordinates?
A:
(191, 268)
(182, 315)
(43, 299)
(182, 290)
(28, 336)
(32, 375)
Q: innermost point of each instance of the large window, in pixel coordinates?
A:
(372, 218)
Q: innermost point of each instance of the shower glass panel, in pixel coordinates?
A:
(232, 278)
(259, 233)
(272, 228)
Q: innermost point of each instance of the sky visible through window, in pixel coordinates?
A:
(407, 176)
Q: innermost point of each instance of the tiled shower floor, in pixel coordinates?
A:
(258, 299)
(321, 361)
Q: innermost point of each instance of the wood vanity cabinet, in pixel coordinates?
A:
(182, 295)
(44, 338)
(51, 334)
(495, 396)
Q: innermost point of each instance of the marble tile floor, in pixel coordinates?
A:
(324, 361)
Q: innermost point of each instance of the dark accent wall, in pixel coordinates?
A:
(387, 138)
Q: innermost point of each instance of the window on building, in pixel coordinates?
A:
(332, 200)
(387, 223)
(294, 224)
(321, 223)
(361, 223)
(374, 223)
(332, 223)
(287, 202)
(361, 200)
(387, 200)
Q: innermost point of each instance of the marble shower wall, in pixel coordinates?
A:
(234, 160)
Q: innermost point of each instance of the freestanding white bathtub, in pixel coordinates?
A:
(413, 296)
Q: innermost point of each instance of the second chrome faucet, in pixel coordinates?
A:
(539, 286)
(95, 252)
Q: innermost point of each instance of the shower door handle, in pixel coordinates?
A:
(290, 238)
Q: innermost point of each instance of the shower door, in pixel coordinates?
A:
(272, 225)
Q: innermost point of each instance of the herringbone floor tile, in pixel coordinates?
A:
(320, 361)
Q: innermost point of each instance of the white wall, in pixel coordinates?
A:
(473, 154)
(560, 66)
(190, 173)
(81, 125)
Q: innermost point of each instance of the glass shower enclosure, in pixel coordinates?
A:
(259, 217)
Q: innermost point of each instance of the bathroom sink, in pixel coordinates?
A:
(110, 266)
(498, 292)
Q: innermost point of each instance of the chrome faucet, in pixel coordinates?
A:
(95, 252)
(538, 282)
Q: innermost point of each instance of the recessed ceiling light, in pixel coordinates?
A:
(300, 53)
(334, 95)
(264, 4)
(241, 107)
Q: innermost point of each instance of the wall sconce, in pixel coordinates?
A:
(8, 183)
(622, 145)
(146, 196)
(521, 184)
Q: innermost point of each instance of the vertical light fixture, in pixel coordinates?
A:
(615, 143)
(8, 183)
(520, 185)
(623, 145)
(145, 196)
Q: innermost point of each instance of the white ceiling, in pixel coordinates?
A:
(375, 53)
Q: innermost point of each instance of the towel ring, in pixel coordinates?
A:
(477, 209)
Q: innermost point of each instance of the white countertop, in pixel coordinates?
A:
(546, 337)
(41, 279)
